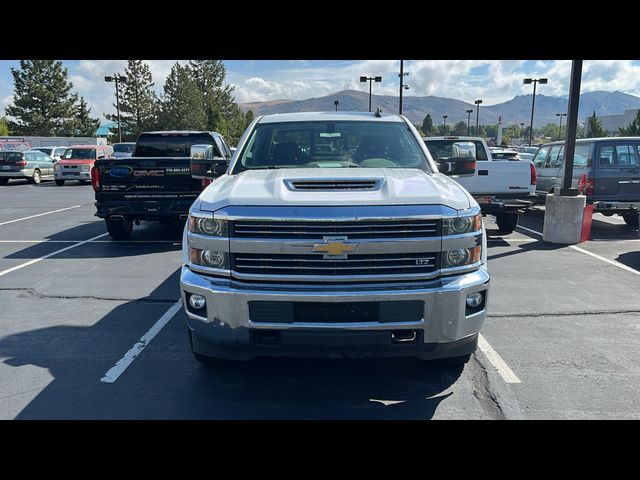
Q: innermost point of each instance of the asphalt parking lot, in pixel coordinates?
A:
(560, 342)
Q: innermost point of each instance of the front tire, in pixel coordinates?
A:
(207, 360)
(460, 360)
(119, 229)
(507, 222)
(60, 183)
(631, 219)
(4, 181)
(36, 178)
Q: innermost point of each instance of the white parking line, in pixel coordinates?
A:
(496, 360)
(39, 215)
(122, 364)
(594, 255)
(36, 260)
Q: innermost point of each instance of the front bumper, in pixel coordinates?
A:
(73, 175)
(614, 206)
(227, 330)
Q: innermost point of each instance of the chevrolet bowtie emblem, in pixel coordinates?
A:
(335, 247)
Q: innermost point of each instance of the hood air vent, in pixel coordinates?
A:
(334, 185)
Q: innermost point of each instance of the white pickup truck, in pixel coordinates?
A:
(333, 234)
(501, 187)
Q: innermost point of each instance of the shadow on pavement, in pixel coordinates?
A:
(166, 382)
(526, 247)
(630, 259)
(148, 237)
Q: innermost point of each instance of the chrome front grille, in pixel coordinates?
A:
(353, 230)
(315, 264)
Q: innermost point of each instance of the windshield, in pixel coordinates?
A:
(80, 154)
(443, 149)
(45, 150)
(123, 147)
(338, 144)
(10, 156)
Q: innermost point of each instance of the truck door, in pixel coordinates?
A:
(617, 173)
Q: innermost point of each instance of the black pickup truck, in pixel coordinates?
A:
(155, 183)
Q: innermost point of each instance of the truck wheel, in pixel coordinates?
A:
(631, 219)
(4, 181)
(60, 183)
(36, 178)
(461, 360)
(119, 229)
(507, 222)
(207, 360)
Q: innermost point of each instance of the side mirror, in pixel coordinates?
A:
(205, 165)
(457, 166)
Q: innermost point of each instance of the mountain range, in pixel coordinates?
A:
(516, 110)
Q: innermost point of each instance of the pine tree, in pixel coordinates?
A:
(183, 106)
(427, 125)
(594, 127)
(633, 130)
(459, 128)
(42, 102)
(138, 101)
(84, 125)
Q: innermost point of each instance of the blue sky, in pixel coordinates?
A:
(262, 80)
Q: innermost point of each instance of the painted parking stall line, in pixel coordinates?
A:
(591, 254)
(128, 358)
(39, 215)
(496, 360)
(49, 255)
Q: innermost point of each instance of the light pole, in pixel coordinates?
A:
(444, 124)
(477, 102)
(469, 112)
(370, 80)
(402, 74)
(336, 103)
(560, 115)
(535, 82)
(117, 78)
(521, 132)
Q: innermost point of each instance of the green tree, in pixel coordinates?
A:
(427, 125)
(182, 104)
(82, 124)
(460, 129)
(42, 100)
(594, 127)
(4, 126)
(138, 101)
(633, 130)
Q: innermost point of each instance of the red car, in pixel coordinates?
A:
(77, 161)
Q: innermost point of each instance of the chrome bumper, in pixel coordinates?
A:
(604, 205)
(78, 175)
(444, 319)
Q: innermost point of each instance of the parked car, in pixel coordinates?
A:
(77, 161)
(527, 152)
(14, 145)
(32, 165)
(54, 152)
(156, 183)
(505, 154)
(123, 150)
(364, 251)
(606, 170)
(501, 188)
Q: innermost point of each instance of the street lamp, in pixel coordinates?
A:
(535, 82)
(336, 103)
(370, 80)
(469, 112)
(560, 115)
(117, 78)
(477, 102)
(444, 124)
(402, 74)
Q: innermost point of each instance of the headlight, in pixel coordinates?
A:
(209, 258)
(208, 226)
(56, 167)
(86, 168)
(460, 225)
(461, 257)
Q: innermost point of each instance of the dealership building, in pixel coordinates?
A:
(612, 123)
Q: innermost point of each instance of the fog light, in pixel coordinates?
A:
(474, 300)
(198, 301)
